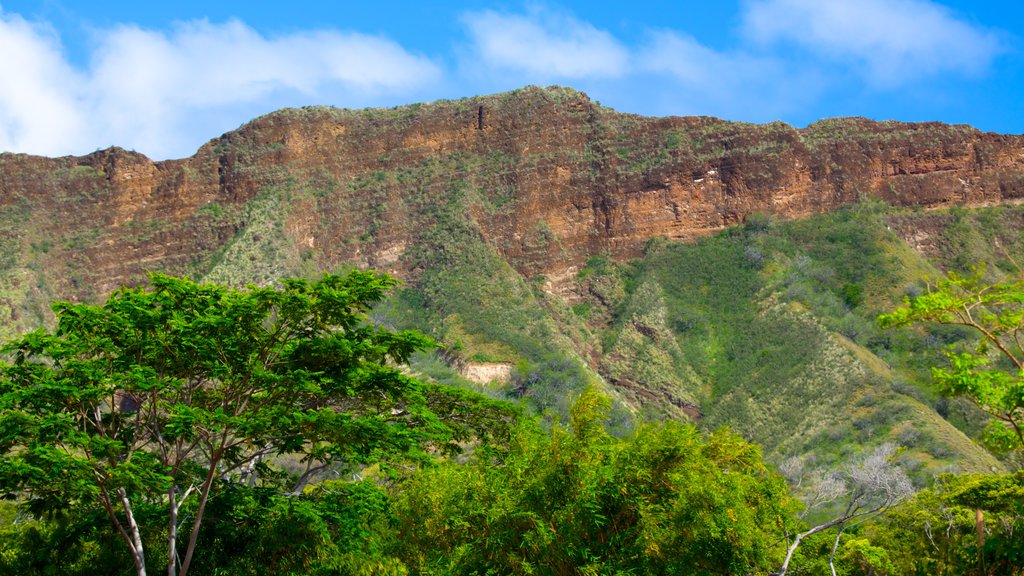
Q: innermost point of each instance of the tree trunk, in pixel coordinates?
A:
(203, 497)
(979, 526)
(133, 530)
(172, 533)
(137, 556)
(789, 555)
(800, 537)
(835, 545)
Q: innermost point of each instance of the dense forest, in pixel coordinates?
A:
(199, 428)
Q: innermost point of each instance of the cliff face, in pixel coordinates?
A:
(769, 329)
(546, 176)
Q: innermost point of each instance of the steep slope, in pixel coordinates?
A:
(514, 219)
(768, 328)
(545, 176)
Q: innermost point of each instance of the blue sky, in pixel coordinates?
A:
(164, 77)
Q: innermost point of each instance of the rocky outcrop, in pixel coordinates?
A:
(487, 372)
(546, 176)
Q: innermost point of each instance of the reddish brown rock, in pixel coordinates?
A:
(548, 177)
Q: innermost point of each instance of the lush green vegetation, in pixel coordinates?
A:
(273, 430)
(991, 374)
(145, 406)
(769, 328)
(574, 500)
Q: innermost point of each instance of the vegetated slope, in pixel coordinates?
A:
(769, 328)
(515, 220)
(766, 327)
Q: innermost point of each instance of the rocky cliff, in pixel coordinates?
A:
(547, 176)
(510, 215)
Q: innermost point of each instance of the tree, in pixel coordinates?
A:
(992, 374)
(865, 489)
(936, 531)
(575, 500)
(167, 391)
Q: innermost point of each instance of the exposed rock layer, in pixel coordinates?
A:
(546, 176)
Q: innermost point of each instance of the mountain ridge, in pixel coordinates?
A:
(541, 232)
(562, 178)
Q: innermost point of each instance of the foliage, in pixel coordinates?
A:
(575, 500)
(864, 489)
(936, 533)
(335, 527)
(991, 374)
(67, 544)
(142, 404)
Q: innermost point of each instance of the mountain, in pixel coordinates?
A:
(692, 267)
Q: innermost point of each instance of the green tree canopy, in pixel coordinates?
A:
(937, 532)
(166, 391)
(667, 500)
(992, 374)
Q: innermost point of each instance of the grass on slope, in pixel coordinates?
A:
(476, 305)
(776, 323)
(767, 328)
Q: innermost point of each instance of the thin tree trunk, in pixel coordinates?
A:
(979, 526)
(203, 497)
(789, 555)
(303, 480)
(800, 537)
(172, 533)
(133, 529)
(835, 545)
(140, 565)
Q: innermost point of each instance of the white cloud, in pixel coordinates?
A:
(731, 84)
(147, 82)
(144, 89)
(696, 65)
(37, 102)
(668, 72)
(546, 44)
(897, 41)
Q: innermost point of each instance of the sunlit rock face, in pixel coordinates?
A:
(546, 176)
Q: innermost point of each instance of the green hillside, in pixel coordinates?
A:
(767, 328)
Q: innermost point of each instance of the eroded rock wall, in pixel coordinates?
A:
(546, 176)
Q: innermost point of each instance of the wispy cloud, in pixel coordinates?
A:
(668, 70)
(545, 44)
(789, 55)
(730, 83)
(37, 103)
(164, 92)
(144, 88)
(895, 41)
